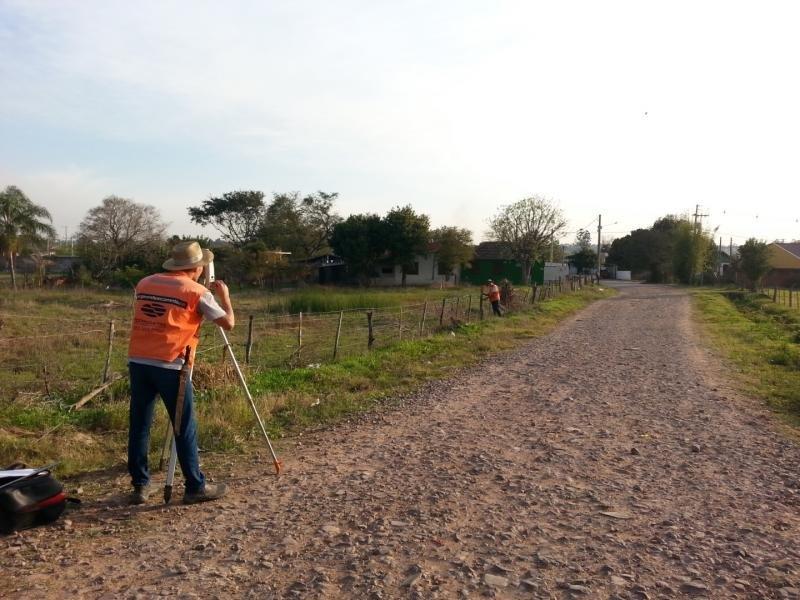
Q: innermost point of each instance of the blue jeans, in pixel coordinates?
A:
(147, 382)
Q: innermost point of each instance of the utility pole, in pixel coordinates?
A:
(552, 248)
(719, 258)
(599, 230)
(698, 223)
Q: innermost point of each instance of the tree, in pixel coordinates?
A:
(22, 224)
(407, 235)
(453, 247)
(585, 258)
(754, 260)
(584, 239)
(300, 226)
(528, 227)
(360, 240)
(236, 215)
(121, 233)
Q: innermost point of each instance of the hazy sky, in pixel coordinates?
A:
(629, 109)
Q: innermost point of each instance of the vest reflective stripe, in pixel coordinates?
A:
(494, 293)
(166, 317)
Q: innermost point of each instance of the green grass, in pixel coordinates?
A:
(762, 341)
(39, 429)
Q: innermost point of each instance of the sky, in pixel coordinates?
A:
(632, 110)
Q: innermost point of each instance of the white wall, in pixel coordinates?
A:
(553, 271)
(428, 274)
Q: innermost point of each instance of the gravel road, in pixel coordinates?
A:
(605, 460)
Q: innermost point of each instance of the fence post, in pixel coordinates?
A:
(481, 307)
(248, 347)
(791, 294)
(469, 307)
(338, 333)
(107, 366)
(458, 305)
(422, 320)
(299, 336)
(775, 294)
(400, 325)
(441, 312)
(370, 337)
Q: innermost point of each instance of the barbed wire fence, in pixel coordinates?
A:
(71, 361)
(784, 296)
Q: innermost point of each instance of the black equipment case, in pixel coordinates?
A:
(33, 499)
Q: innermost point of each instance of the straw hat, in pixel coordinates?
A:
(188, 255)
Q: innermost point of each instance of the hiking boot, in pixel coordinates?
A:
(210, 491)
(140, 494)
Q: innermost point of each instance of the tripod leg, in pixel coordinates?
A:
(173, 459)
(166, 447)
(275, 460)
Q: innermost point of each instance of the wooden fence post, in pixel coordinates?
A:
(299, 336)
(775, 294)
(469, 307)
(107, 367)
(370, 337)
(400, 325)
(481, 307)
(458, 305)
(791, 294)
(441, 312)
(248, 347)
(338, 333)
(422, 320)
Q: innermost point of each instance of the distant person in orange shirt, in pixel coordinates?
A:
(168, 312)
(493, 294)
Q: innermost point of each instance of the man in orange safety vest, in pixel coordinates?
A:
(169, 309)
(493, 294)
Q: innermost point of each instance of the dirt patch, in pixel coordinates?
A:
(605, 460)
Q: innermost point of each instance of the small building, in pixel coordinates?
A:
(425, 271)
(326, 269)
(493, 260)
(784, 258)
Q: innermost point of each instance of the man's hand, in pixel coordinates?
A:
(219, 288)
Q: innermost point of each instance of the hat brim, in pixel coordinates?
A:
(172, 265)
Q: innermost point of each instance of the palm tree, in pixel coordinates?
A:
(21, 224)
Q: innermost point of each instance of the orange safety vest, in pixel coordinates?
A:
(494, 293)
(166, 317)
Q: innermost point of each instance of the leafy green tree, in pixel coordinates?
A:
(585, 258)
(407, 234)
(23, 225)
(121, 233)
(361, 241)
(528, 226)
(453, 248)
(690, 250)
(238, 215)
(302, 226)
(754, 261)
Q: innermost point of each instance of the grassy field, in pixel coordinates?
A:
(761, 340)
(37, 427)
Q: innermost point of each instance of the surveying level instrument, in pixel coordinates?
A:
(208, 279)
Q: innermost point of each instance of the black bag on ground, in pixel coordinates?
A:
(27, 501)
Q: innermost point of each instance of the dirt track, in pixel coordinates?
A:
(606, 460)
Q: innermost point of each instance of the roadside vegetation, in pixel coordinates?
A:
(38, 428)
(762, 341)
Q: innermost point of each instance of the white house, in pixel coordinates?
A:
(424, 272)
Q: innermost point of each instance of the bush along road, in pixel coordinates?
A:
(604, 460)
